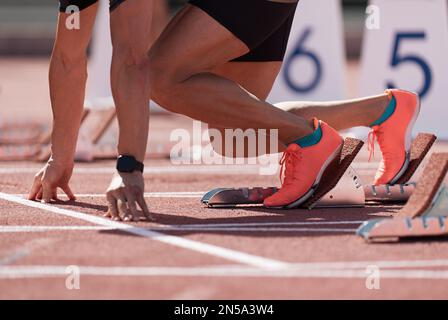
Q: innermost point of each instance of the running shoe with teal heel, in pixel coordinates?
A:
(393, 131)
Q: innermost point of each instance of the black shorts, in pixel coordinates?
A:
(263, 25)
(82, 4)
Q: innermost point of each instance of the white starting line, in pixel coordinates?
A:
(310, 271)
(221, 252)
(187, 194)
(184, 228)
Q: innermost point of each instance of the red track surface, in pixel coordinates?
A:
(280, 254)
(306, 241)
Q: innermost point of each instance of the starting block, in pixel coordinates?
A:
(19, 133)
(94, 123)
(424, 215)
(26, 141)
(349, 193)
(345, 191)
(19, 140)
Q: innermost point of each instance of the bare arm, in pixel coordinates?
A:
(67, 77)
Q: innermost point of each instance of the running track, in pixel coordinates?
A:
(193, 252)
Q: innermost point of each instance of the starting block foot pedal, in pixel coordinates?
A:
(350, 150)
(419, 149)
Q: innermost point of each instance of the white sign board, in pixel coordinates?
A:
(99, 93)
(314, 65)
(408, 49)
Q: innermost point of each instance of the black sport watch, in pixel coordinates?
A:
(128, 164)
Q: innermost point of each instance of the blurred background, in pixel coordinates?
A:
(27, 29)
(27, 26)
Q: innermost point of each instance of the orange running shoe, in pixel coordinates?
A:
(304, 168)
(394, 136)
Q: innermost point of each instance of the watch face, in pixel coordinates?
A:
(126, 164)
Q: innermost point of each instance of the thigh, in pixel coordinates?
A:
(130, 24)
(73, 42)
(193, 42)
(256, 77)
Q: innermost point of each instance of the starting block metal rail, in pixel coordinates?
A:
(348, 192)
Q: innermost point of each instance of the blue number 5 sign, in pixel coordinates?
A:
(399, 59)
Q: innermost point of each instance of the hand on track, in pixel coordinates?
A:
(124, 193)
(51, 177)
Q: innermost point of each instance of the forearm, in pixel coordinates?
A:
(129, 86)
(67, 91)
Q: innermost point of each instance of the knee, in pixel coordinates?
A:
(69, 59)
(128, 55)
(164, 81)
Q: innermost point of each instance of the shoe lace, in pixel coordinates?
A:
(375, 134)
(287, 163)
(371, 143)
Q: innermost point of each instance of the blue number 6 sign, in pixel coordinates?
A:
(301, 52)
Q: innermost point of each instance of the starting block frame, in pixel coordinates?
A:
(348, 192)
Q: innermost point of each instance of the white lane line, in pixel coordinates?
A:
(229, 254)
(197, 194)
(254, 229)
(27, 229)
(379, 264)
(262, 224)
(17, 272)
(167, 228)
(197, 169)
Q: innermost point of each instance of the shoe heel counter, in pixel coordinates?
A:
(331, 136)
(407, 98)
